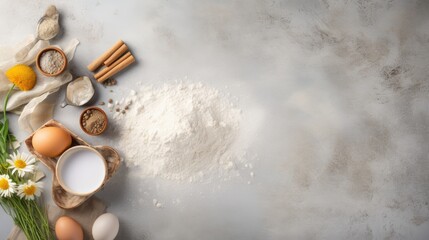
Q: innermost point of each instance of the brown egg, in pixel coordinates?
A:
(51, 141)
(67, 228)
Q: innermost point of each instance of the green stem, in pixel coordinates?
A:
(4, 132)
(28, 215)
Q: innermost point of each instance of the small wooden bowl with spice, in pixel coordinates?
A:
(93, 121)
(51, 61)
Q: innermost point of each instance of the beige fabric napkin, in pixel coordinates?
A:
(31, 118)
(85, 215)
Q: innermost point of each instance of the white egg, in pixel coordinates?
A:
(105, 227)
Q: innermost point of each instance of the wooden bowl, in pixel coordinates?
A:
(61, 197)
(51, 48)
(95, 109)
(86, 171)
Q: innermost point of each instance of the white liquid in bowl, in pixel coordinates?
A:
(81, 170)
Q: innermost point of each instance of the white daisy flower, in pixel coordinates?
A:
(30, 190)
(7, 187)
(21, 163)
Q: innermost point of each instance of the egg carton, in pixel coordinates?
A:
(61, 197)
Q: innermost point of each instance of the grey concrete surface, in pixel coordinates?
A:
(335, 99)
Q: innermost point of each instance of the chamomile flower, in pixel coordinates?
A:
(7, 187)
(30, 190)
(21, 163)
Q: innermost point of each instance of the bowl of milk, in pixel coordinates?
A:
(81, 170)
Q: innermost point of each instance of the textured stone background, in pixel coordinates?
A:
(335, 95)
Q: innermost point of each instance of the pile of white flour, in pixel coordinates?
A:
(181, 131)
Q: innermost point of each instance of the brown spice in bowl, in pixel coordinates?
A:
(93, 121)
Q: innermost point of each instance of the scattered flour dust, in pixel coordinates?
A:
(180, 131)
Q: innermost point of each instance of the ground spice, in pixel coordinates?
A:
(52, 62)
(120, 106)
(110, 82)
(94, 121)
(48, 28)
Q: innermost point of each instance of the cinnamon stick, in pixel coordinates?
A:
(116, 55)
(97, 62)
(125, 63)
(106, 69)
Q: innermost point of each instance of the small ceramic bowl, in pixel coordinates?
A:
(81, 170)
(39, 56)
(82, 118)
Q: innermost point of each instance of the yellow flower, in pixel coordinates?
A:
(7, 187)
(30, 190)
(22, 76)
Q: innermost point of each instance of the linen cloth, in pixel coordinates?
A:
(35, 106)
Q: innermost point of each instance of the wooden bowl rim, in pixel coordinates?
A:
(59, 164)
(105, 117)
(39, 55)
